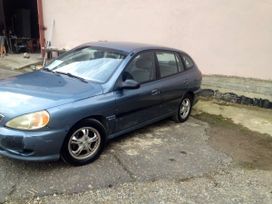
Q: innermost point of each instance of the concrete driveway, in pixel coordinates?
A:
(207, 159)
(165, 150)
(165, 162)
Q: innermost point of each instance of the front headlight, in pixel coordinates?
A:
(32, 121)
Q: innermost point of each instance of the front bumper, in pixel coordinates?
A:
(42, 145)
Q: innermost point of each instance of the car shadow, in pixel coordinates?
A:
(143, 130)
(59, 164)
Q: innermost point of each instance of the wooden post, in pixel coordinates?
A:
(41, 27)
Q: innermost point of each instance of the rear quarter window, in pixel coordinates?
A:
(188, 62)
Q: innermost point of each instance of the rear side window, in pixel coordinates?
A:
(167, 63)
(188, 62)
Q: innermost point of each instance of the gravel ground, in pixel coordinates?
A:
(236, 186)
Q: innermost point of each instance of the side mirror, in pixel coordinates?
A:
(129, 84)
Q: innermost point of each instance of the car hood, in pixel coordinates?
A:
(41, 90)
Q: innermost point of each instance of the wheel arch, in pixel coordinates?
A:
(99, 118)
(97, 123)
(190, 93)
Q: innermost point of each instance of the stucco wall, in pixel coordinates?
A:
(230, 37)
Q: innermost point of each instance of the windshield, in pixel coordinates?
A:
(88, 63)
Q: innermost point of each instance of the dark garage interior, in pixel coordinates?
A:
(19, 23)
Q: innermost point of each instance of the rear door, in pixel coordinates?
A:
(135, 106)
(173, 82)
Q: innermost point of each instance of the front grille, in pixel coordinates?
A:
(12, 143)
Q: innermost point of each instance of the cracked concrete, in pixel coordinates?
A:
(226, 180)
(177, 154)
(180, 163)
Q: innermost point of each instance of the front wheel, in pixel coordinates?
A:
(184, 109)
(84, 143)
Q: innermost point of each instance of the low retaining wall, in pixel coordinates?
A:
(234, 98)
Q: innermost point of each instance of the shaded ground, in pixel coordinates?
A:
(247, 148)
(254, 118)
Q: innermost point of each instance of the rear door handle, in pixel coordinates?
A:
(155, 92)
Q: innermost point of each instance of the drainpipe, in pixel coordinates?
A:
(41, 27)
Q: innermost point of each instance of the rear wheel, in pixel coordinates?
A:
(184, 109)
(84, 143)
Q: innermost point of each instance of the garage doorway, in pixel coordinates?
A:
(19, 23)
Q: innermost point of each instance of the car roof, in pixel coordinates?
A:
(127, 47)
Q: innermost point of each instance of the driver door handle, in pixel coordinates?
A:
(155, 92)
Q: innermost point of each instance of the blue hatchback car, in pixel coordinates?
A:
(93, 93)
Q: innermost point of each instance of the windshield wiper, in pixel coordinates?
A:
(47, 70)
(50, 70)
(73, 76)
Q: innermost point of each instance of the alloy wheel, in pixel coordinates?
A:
(185, 108)
(84, 143)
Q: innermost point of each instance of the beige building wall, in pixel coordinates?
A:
(229, 37)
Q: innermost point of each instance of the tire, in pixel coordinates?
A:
(84, 143)
(182, 116)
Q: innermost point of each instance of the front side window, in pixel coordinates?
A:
(89, 63)
(142, 68)
(167, 63)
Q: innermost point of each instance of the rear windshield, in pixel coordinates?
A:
(89, 63)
